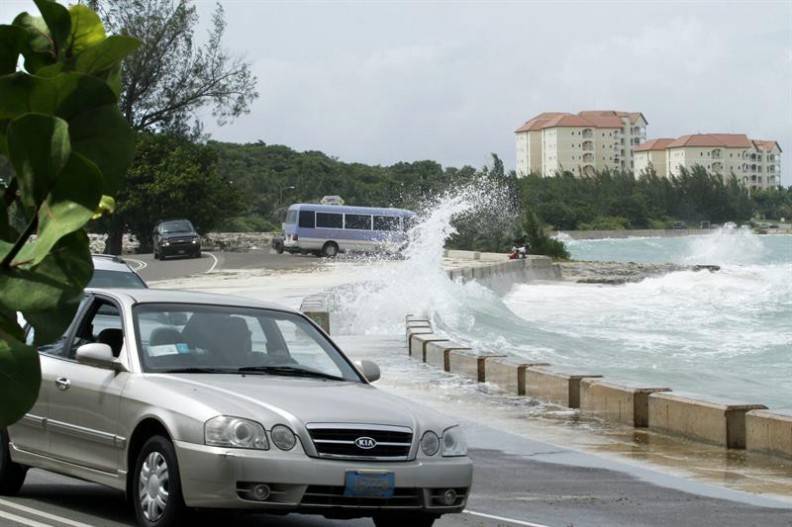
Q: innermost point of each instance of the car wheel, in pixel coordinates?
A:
(197, 254)
(12, 475)
(156, 486)
(414, 519)
(330, 250)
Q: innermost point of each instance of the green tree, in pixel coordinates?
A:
(174, 177)
(68, 145)
(537, 239)
(171, 78)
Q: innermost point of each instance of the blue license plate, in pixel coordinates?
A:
(369, 484)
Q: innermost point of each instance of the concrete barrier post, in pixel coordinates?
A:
(555, 386)
(469, 364)
(769, 432)
(509, 374)
(418, 342)
(716, 421)
(437, 353)
(620, 403)
(316, 308)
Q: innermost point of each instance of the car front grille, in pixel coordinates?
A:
(323, 496)
(340, 441)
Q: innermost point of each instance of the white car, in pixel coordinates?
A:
(188, 400)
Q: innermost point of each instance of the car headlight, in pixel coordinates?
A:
(165, 244)
(430, 443)
(283, 437)
(454, 444)
(195, 240)
(235, 432)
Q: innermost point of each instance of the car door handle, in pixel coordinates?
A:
(63, 383)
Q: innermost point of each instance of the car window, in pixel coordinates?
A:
(122, 279)
(176, 337)
(58, 347)
(101, 324)
(329, 220)
(176, 226)
(357, 221)
(307, 220)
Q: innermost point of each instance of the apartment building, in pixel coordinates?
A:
(756, 163)
(582, 143)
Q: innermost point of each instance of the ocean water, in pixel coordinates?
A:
(723, 334)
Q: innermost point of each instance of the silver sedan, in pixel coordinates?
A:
(189, 401)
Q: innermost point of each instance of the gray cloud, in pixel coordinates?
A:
(380, 82)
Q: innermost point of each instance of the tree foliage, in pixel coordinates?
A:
(173, 177)
(173, 78)
(620, 200)
(64, 146)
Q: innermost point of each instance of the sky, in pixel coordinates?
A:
(382, 82)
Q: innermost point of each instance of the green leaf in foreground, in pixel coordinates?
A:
(70, 205)
(39, 149)
(57, 19)
(48, 294)
(20, 377)
(9, 49)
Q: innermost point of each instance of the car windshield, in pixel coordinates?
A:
(189, 338)
(120, 279)
(177, 226)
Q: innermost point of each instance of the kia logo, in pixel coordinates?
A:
(366, 443)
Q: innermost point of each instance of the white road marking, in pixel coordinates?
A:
(140, 264)
(214, 264)
(41, 514)
(502, 519)
(23, 521)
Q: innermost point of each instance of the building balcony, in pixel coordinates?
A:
(588, 146)
(717, 167)
(587, 133)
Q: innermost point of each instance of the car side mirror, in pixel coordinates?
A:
(370, 370)
(100, 356)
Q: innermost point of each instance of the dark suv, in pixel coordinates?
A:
(176, 238)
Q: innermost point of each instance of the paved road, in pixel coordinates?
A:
(152, 270)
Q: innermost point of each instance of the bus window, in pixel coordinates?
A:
(307, 219)
(329, 221)
(358, 222)
(386, 223)
(291, 217)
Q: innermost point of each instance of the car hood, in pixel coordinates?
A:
(274, 399)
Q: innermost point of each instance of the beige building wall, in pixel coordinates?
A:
(754, 168)
(655, 159)
(604, 140)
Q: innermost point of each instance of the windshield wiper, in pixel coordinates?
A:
(290, 371)
(199, 370)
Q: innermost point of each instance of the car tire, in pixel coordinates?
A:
(411, 519)
(12, 475)
(330, 250)
(156, 485)
(197, 254)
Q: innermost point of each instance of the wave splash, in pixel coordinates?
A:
(389, 290)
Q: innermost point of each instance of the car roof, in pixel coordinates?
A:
(179, 296)
(106, 262)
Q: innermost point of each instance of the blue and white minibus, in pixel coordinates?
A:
(327, 230)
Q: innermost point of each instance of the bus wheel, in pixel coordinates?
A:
(330, 250)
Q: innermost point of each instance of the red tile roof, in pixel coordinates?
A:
(765, 145)
(632, 116)
(654, 144)
(592, 119)
(712, 140)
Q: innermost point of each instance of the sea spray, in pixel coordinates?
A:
(378, 303)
